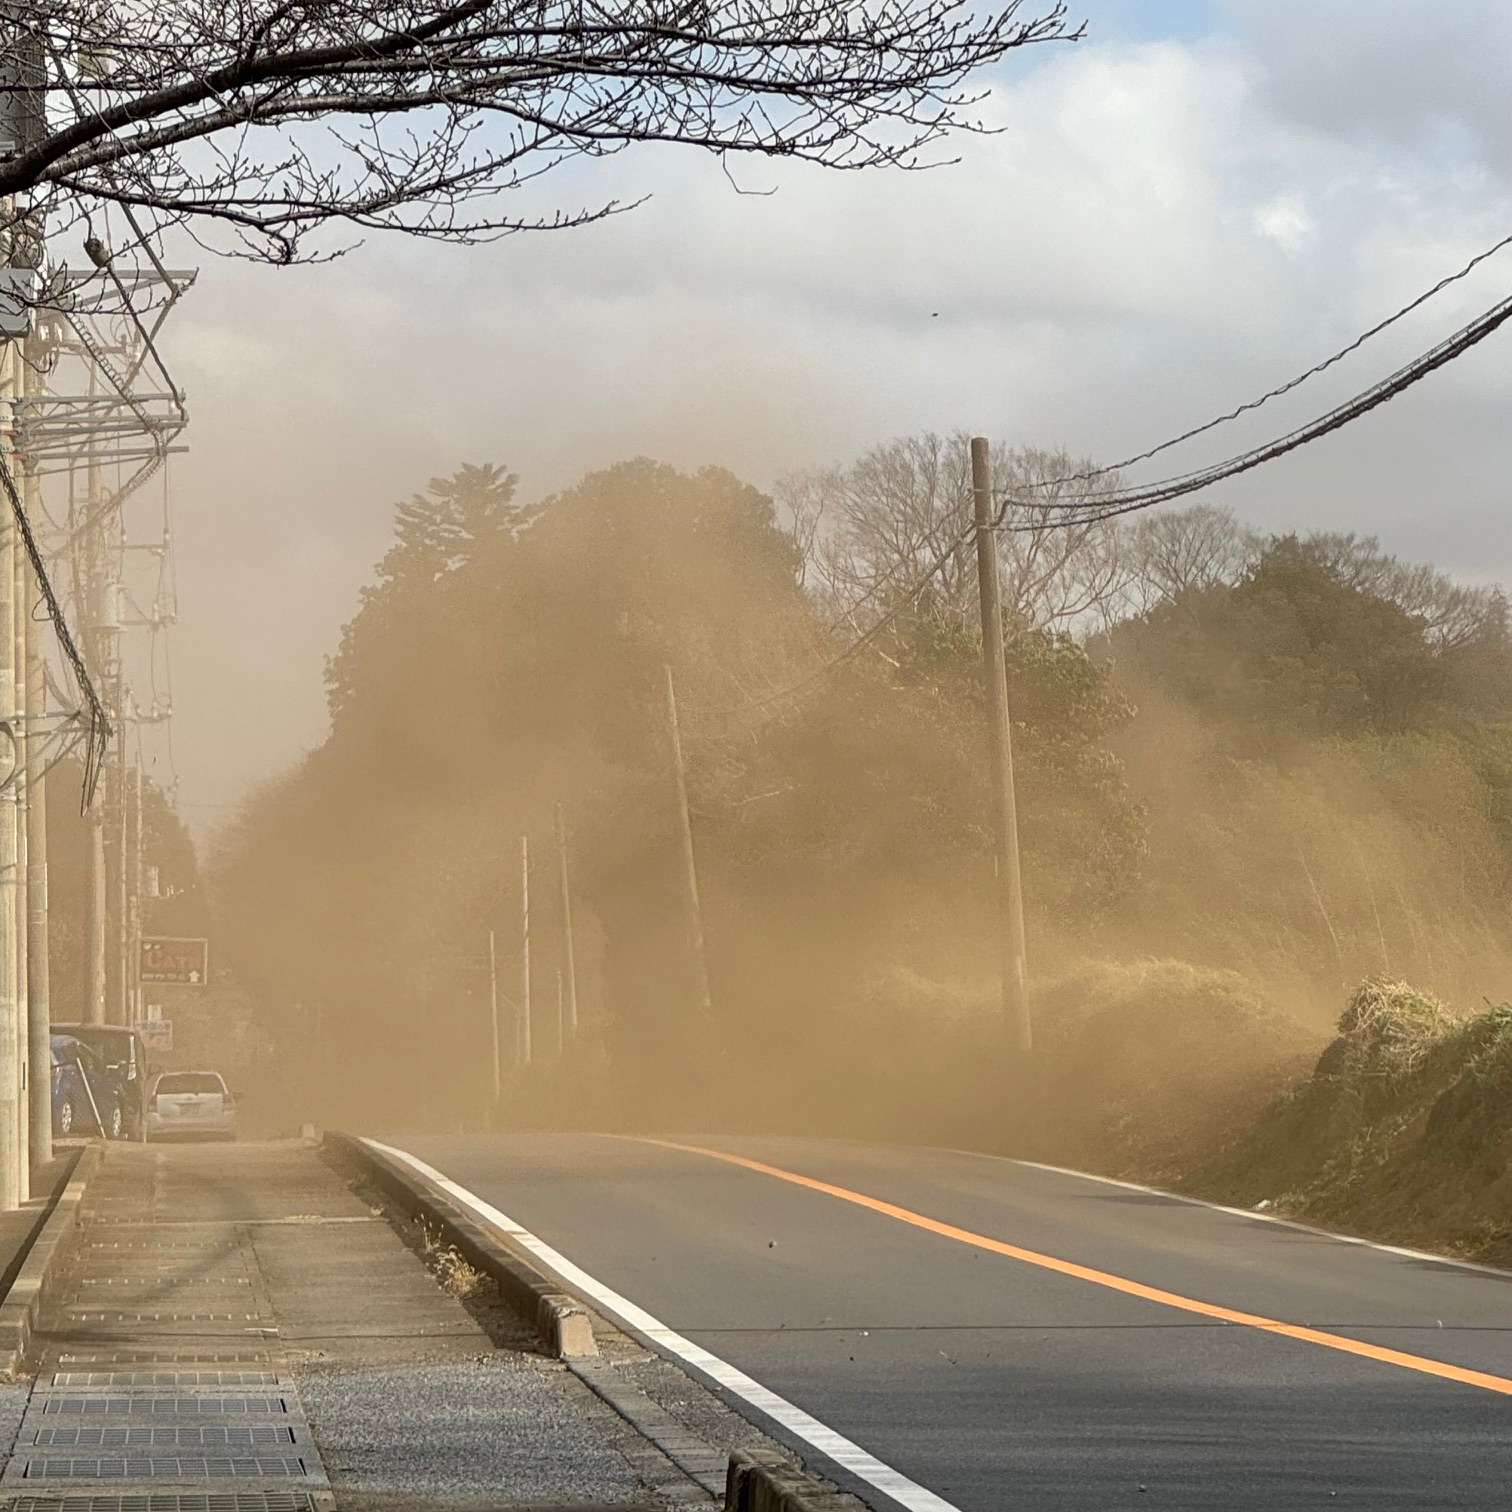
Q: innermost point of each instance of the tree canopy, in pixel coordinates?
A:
(1290, 757)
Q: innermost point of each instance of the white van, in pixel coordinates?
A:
(189, 1102)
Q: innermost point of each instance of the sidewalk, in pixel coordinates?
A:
(236, 1323)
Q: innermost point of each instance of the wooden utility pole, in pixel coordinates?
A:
(689, 866)
(522, 1031)
(1015, 1000)
(569, 959)
(493, 1017)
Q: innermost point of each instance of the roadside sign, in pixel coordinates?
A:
(186, 962)
(157, 1034)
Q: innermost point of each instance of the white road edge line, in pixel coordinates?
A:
(1500, 1272)
(834, 1446)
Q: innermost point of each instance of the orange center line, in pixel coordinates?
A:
(1106, 1279)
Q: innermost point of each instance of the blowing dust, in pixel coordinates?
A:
(1252, 774)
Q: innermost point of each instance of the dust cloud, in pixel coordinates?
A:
(1244, 787)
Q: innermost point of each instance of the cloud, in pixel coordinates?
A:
(1155, 231)
(1430, 79)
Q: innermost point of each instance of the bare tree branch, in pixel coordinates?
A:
(276, 116)
(886, 520)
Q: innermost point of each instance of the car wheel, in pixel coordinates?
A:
(66, 1118)
(116, 1123)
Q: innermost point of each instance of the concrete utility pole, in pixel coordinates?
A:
(93, 616)
(1015, 1002)
(39, 1007)
(493, 1017)
(689, 866)
(12, 1116)
(569, 960)
(26, 110)
(522, 1030)
(97, 900)
(20, 605)
(121, 1006)
(134, 901)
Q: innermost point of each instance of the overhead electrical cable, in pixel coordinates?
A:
(1253, 404)
(99, 723)
(888, 579)
(906, 598)
(1090, 509)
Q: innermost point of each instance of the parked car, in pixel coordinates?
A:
(124, 1055)
(84, 1097)
(189, 1102)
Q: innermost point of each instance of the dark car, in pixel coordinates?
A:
(123, 1054)
(84, 1096)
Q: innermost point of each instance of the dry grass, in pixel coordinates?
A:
(1142, 1062)
(456, 1275)
(1403, 1131)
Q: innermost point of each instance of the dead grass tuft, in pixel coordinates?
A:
(450, 1267)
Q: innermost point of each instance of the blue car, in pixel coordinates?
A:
(85, 1101)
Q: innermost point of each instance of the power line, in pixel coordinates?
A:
(99, 724)
(1090, 510)
(1290, 384)
(860, 643)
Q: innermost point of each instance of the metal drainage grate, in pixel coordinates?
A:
(165, 1277)
(207, 1242)
(166, 1501)
(110, 1379)
(152, 1438)
(144, 1358)
(126, 1406)
(151, 1467)
(88, 1314)
(203, 1251)
(184, 1267)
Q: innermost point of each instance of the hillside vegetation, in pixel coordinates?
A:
(1252, 773)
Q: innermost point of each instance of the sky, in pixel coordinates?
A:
(1197, 201)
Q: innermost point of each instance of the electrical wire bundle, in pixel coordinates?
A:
(1090, 509)
(1087, 509)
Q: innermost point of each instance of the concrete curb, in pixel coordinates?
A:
(34, 1281)
(564, 1327)
(755, 1485)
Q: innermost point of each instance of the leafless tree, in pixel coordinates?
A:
(1172, 552)
(1453, 614)
(1176, 550)
(897, 521)
(275, 117)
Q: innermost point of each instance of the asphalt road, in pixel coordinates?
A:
(997, 1382)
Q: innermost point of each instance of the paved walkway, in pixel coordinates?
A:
(240, 1331)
